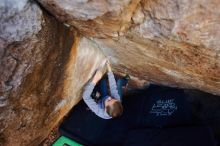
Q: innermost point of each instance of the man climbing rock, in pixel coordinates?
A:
(109, 106)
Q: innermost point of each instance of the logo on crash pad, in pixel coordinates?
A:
(164, 107)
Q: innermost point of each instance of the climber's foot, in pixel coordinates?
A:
(126, 78)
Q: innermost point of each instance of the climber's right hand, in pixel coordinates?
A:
(108, 66)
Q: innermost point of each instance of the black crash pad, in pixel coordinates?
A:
(153, 108)
(181, 136)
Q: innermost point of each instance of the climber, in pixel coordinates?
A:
(109, 106)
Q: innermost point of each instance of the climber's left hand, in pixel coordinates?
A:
(98, 75)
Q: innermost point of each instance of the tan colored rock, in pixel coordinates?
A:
(99, 18)
(44, 65)
(173, 64)
(34, 52)
(42, 76)
(195, 22)
(176, 41)
(43, 68)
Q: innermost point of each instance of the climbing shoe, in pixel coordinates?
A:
(127, 77)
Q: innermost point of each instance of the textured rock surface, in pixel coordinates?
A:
(34, 50)
(16, 59)
(99, 18)
(42, 72)
(27, 20)
(171, 42)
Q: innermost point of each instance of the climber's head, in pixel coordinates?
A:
(113, 107)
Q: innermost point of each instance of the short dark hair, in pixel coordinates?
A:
(115, 110)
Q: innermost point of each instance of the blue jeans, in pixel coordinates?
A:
(102, 88)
